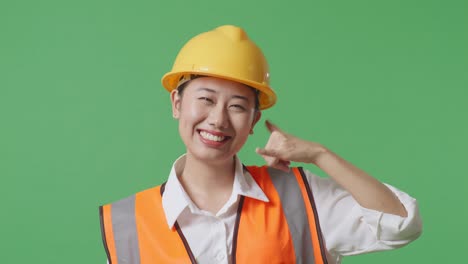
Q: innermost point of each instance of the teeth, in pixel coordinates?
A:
(211, 137)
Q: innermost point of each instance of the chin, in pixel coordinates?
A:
(212, 156)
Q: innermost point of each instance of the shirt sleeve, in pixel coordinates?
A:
(350, 229)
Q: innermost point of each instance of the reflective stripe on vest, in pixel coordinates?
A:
(283, 230)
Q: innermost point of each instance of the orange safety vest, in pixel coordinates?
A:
(284, 230)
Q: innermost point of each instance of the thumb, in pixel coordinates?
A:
(266, 152)
(271, 127)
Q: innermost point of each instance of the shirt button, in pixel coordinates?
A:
(220, 256)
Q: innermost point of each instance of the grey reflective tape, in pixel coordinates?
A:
(295, 211)
(125, 231)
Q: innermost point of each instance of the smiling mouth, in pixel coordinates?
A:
(211, 137)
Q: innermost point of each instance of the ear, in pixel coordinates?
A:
(176, 101)
(258, 115)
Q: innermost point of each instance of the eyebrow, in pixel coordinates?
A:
(213, 91)
(241, 97)
(206, 89)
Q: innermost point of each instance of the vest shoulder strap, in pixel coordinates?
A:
(293, 195)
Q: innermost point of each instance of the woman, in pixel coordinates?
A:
(212, 209)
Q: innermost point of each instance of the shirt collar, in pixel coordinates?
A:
(175, 199)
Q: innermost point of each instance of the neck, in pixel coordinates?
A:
(207, 176)
(209, 185)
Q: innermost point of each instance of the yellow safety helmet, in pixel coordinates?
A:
(225, 52)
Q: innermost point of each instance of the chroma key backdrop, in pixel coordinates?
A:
(84, 120)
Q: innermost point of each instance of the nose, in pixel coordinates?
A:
(218, 117)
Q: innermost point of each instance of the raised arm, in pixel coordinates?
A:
(282, 148)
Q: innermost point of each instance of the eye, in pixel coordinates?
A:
(237, 107)
(206, 100)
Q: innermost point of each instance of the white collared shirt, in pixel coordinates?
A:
(347, 228)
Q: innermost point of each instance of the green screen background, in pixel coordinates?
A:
(84, 120)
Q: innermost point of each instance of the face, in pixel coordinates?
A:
(215, 117)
